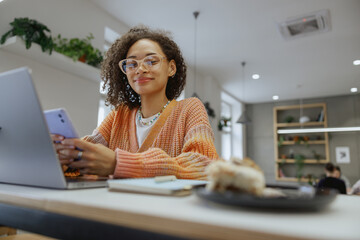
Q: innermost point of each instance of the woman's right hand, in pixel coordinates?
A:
(64, 159)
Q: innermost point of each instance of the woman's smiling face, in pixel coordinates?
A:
(144, 78)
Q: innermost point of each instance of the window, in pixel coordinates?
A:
(226, 138)
(232, 144)
(103, 109)
(109, 36)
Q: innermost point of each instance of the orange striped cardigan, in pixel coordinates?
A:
(180, 143)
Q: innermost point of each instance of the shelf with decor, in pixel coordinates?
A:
(296, 124)
(300, 156)
(307, 161)
(309, 142)
(56, 60)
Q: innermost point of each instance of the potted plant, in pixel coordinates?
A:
(224, 122)
(289, 119)
(31, 31)
(299, 162)
(281, 141)
(316, 155)
(311, 180)
(301, 139)
(79, 49)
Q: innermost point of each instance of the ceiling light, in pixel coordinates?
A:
(354, 89)
(356, 62)
(255, 76)
(275, 97)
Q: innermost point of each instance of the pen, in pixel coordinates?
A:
(160, 179)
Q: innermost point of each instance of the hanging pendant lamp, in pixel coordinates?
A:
(244, 118)
(196, 14)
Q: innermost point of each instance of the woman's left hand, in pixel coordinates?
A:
(95, 159)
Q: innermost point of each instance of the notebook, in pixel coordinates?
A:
(178, 187)
(27, 154)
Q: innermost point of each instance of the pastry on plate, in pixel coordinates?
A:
(240, 175)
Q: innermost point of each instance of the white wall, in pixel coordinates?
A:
(57, 88)
(208, 90)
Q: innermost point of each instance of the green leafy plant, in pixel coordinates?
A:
(79, 49)
(224, 122)
(289, 119)
(31, 31)
(312, 180)
(299, 161)
(281, 141)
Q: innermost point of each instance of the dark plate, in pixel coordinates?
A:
(304, 198)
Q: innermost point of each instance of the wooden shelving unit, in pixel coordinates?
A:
(296, 124)
(308, 142)
(287, 148)
(306, 161)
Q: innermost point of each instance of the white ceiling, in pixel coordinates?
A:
(232, 31)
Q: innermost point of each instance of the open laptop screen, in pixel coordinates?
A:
(27, 155)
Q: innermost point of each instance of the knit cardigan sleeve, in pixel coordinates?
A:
(197, 152)
(98, 138)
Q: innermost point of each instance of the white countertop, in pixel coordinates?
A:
(339, 221)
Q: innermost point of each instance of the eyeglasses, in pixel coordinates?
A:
(152, 62)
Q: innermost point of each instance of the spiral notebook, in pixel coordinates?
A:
(178, 187)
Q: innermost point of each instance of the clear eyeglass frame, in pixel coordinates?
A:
(150, 62)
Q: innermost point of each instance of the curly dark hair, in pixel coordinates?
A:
(119, 89)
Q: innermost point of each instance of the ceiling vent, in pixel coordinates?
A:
(305, 25)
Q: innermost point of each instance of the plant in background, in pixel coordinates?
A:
(79, 49)
(301, 139)
(311, 180)
(224, 122)
(316, 155)
(209, 110)
(305, 140)
(297, 139)
(31, 31)
(281, 141)
(289, 119)
(299, 162)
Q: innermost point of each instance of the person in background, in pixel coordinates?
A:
(338, 174)
(330, 181)
(355, 190)
(148, 133)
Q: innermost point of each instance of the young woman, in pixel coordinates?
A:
(148, 133)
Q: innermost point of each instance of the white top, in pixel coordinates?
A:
(143, 130)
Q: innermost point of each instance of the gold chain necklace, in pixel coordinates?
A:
(152, 120)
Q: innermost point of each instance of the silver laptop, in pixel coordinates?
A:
(27, 154)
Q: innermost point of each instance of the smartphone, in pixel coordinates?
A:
(59, 122)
